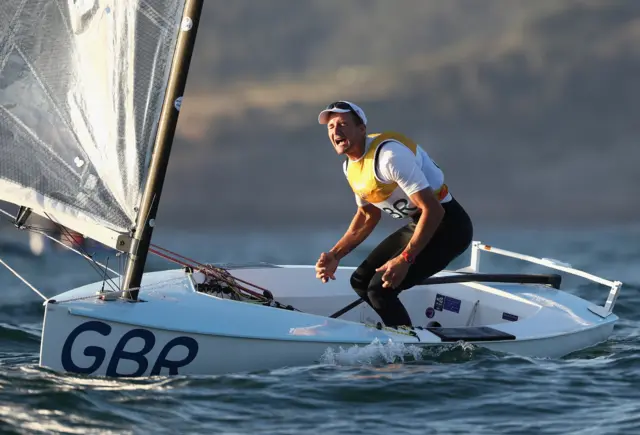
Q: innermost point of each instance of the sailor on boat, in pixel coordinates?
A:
(390, 172)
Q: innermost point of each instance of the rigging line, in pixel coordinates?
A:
(220, 274)
(13, 218)
(93, 263)
(209, 267)
(23, 280)
(227, 279)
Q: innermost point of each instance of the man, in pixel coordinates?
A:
(391, 173)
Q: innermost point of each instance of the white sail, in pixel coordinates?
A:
(81, 89)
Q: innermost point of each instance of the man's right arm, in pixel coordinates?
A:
(362, 225)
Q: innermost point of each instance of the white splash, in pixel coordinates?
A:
(377, 351)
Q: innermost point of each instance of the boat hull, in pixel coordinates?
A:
(95, 344)
(176, 330)
(88, 346)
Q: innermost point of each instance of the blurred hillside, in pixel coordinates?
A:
(530, 106)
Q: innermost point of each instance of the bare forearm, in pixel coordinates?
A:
(425, 229)
(361, 227)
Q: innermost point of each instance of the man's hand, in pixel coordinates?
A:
(395, 270)
(326, 266)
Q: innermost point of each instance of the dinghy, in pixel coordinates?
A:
(90, 94)
(195, 322)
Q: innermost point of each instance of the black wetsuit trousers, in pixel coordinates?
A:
(452, 238)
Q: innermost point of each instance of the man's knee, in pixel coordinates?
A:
(360, 282)
(377, 293)
(356, 281)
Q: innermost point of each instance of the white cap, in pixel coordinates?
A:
(341, 107)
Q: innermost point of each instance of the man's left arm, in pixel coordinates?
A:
(398, 164)
(431, 214)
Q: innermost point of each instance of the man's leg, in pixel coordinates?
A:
(366, 281)
(386, 303)
(450, 240)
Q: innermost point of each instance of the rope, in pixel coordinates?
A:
(63, 230)
(8, 214)
(88, 257)
(22, 279)
(216, 272)
(92, 262)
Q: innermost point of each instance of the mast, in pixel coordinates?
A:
(162, 148)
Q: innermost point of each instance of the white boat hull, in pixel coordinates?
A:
(98, 347)
(176, 329)
(181, 331)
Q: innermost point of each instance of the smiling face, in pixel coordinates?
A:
(347, 134)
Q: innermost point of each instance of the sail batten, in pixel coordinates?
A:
(82, 84)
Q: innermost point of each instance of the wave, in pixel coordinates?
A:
(25, 333)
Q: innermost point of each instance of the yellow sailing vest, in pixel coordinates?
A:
(361, 173)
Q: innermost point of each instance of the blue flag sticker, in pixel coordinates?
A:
(447, 303)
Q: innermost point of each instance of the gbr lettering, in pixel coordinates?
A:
(401, 209)
(149, 339)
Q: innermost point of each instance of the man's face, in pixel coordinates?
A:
(344, 132)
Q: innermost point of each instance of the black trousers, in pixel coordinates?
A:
(452, 238)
